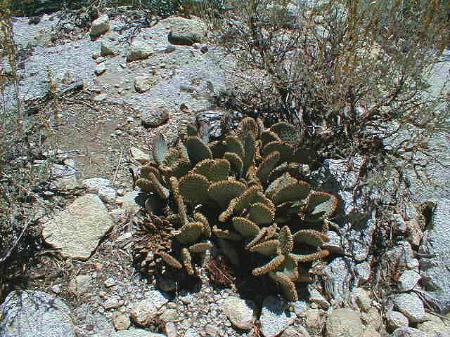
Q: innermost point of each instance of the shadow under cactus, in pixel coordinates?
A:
(241, 197)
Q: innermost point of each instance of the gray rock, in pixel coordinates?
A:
(157, 115)
(102, 187)
(408, 280)
(143, 83)
(136, 333)
(371, 332)
(295, 332)
(435, 257)
(35, 314)
(362, 271)
(435, 328)
(121, 321)
(139, 50)
(80, 284)
(316, 297)
(411, 306)
(338, 277)
(240, 312)
(77, 230)
(139, 155)
(275, 317)
(362, 299)
(99, 26)
(100, 69)
(186, 31)
(128, 202)
(344, 322)
(409, 332)
(396, 320)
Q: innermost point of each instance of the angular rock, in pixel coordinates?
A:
(316, 297)
(408, 280)
(435, 258)
(240, 312)
(99, 26)
(275, 317)
(109, 47)
(396, 320)
(409, 332)
(186, 31)
(77, 230)
(100, 69)
(129, 201)
(411, 306)
(139, 155)
(313, 319)
(80, 284)
(344, 322)
(139, 50)
(362, 298)
(121, 321)
(435, 328)
(371, 332)
(35, 314)
(143, 83)
(339, 276)
(102, 187)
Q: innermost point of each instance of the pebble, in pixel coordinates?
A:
(240, 312)
(100, 69)
(396, 320)
(121, 321)
(274, 316)
(344, 322)
(408, 280)
(411, 306)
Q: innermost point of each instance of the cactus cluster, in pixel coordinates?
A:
(246, 189)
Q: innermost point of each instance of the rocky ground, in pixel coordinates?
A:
(112, 87)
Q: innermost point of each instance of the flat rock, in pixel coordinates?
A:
(143, 83)
(77, 230)
(35, 314)
(99, 26)
(275, 317)
(155, 116)
(139, 155)
(240, 312)
(411, 306)
(408, 280)
(344, 322)
(186, 31)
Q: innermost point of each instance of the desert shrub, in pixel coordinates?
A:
(352, 75)
(244, 193)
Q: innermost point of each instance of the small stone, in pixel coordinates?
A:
(135, 333)
(409, 332)
(408, 280)
(295, 332)
(414, 232)
(143, 312)
(128, 202)
(435, 328)
(100, 69)
(169, 49)
(316, 297)
(139, 50)
(143, 83)
(240, 312)
(113, 302)
(121, 321)
(411, 306)
(102, 187)
(344, 322)
(99, 60)
(191, 333)
(80, 284)
(170, 329)
(363, 272)
(110, 282)
(155, 116)
(139, 155)
(313, 320)
(362, 299)
(274, 316)
(108, 47)
(99, 26)
(100, 97)
(372, 318)
(169, 315)
(56, 288)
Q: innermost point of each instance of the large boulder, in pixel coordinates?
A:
(35, 314)
(77, 230)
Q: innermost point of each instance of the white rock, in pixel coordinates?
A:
(102, 187)
(408, 280)
(143, 312)
(396, 320)
(99, 26)
(240, 312)
(274, 316)
(344, 322)
(128, 202)
(411, 306)
(77, 230)
(100, 68)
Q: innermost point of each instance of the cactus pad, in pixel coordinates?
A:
(194, 188)
(197, 150)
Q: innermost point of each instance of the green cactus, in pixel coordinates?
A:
(242, 191)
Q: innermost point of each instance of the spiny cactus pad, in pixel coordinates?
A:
(243, 190)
